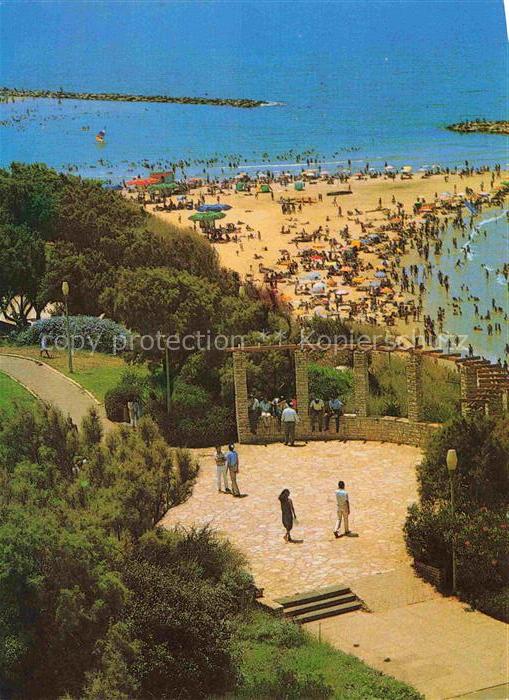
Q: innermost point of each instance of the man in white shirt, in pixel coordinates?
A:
(289, 419)
(343, 508)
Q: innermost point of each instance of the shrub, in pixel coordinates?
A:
(482, 476)
(89, 333)
(494, 604)
(328, 382)
(133, 386)
(428, 535)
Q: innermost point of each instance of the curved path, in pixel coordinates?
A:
(51, 386)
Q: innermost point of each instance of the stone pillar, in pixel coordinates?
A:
(361, 382)
(302, 391)
(468, 385)
(241, 400)
(414, 387)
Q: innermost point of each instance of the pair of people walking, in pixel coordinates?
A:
(227, 465)
(288, 514)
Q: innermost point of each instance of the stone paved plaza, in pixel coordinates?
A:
(381, 482)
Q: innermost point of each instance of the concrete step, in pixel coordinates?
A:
(328, 612)
(313, 596)
(296, 610)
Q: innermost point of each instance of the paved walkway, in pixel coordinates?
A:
(437, 646)
(431, 641)
(52, 386)
(379, 477)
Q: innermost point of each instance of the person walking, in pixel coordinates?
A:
(221, 470)
(289, 420)
(44, 346)
(287, 513)
(232, 462)
(343, 508)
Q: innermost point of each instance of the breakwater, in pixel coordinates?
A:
(6, 93)
(483, 126)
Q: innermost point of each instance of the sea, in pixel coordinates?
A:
(370, 81)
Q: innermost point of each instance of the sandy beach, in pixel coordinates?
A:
(259, 221)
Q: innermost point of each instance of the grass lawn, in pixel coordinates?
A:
(11, 391)
(279, 660)
(94, 371)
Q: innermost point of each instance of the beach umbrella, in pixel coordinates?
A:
(341, 292)
(406, 169)
(375, 283)
(380, 274)
(207, 216)
(318, 288)
(312, 276)
(163, 187)
(355, 244)
(358, 280)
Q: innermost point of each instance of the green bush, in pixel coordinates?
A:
(494, 604)
(479, 528)
(89, 332)
(133, 386)
(428, 535)
(482, 477)
(195, 420)
(327, 382)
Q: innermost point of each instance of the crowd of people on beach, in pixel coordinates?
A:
(383, 277)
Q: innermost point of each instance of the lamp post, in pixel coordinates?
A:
(65, 292)
(452, 463)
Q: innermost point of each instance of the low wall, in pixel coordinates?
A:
(353, 427)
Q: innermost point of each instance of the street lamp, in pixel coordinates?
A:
(452, 464)
(65, 292)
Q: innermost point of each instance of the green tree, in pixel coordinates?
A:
(22, 265)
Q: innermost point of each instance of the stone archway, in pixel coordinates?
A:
(356, 426)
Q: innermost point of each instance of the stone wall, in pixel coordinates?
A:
(352, 427)
(358, 426)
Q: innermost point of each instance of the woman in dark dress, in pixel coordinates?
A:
(287, 513)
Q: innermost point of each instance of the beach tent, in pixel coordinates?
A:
(264, 189)
(214, 207)
(380, 274)
(241, 187)
(299, 186)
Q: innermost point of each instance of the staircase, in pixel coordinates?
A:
(318, 604)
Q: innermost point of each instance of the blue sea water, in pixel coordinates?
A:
(369, 80)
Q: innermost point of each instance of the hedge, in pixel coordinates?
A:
(89, 333)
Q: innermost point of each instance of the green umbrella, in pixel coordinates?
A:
(207, 216)
(170, 186)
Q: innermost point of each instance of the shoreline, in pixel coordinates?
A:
(242, 103)
(260, 242)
